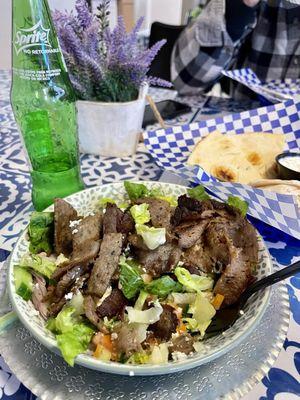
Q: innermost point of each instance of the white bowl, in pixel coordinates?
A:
(85, 201)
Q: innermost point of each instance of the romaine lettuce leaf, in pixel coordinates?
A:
(136, 190)
(73, 335)
(202, 312)
(191, 282)
(141, 300)
(104, 201)
(163, 286)
(40, 232)
(160, 354)
(130, 278)
(172, 200)
(182, 298)
(153, 237)
(238, 203)
(41, 264)
(149, 316)
(140, 213)
(139, 357)
(198, 192)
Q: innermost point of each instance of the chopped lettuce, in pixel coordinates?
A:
(136, 190)
(172, 200)
(140, 213)
(163, 286)
(149, 316)
(153, 237)
(202, 313)
(139, 357)
(73, 335)
(191, 282)
(182, 298)
(111, 323)
(41, 264)
(77, 303)
(104, 201)
(130, 278)
(141, 300)
(238, 203)
(40, 232)
(160, 354)
(198, 192)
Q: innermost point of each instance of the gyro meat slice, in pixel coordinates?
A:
(64, 213)
(106, 263)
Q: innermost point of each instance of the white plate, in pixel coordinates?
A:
(86, 201)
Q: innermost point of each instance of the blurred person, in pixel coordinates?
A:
(263, 35)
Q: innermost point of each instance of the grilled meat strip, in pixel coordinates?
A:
(159, 261)
(64, 213)
(106, 264)
(160, 211)
(117, 221)
(85, 243)
(113, 305)
(167, 323)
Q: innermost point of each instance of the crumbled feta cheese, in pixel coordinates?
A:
(61, 259)
(241, 312)
(180, 263)
(114, 336)
(178, 356)
(119, 285)
(175, 335)
(35, 312)
(74, 223)
(74, 231)
(69, 296)
(106, 294)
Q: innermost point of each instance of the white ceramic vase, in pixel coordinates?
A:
(111, 129)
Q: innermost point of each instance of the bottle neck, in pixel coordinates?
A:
(33, 34)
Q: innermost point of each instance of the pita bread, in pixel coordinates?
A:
(238, 158)
(279, 186)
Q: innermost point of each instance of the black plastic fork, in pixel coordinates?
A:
(226, 317)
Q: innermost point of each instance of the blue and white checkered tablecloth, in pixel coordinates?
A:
(282, 381)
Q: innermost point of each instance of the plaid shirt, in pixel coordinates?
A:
(270, 46)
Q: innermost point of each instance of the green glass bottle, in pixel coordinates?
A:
(43, 103)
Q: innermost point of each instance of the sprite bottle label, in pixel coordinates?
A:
(43, 102)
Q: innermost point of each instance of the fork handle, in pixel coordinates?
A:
(270, 280)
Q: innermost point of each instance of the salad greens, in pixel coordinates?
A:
(193, 283)
(163, 286)
(73, 334)
(153, 237)
(238, 203)
(136, 190)
(130, 277)
(39, 263)
(140, 213)
(40, 232)
(198, 193)
(149, 316)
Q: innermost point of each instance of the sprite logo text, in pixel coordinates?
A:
(36, 36)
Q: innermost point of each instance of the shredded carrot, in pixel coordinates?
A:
(217, 301)
(98, 350)
(107, 342)
(181, 328)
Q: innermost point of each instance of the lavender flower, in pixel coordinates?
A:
(104, 64)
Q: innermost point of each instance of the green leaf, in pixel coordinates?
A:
(72, 343)
(140, 357)
(136, 190)
(152, 237)
(193, 283)
(163, 286)
(72, 334)
(140, 213)
(238, 203)
(41, 264)
(130, 278)
(198, 192)
(104, 201)
(40, 232)
(141, 300)
(172, 200)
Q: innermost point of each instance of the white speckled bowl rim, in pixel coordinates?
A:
(237, 336)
